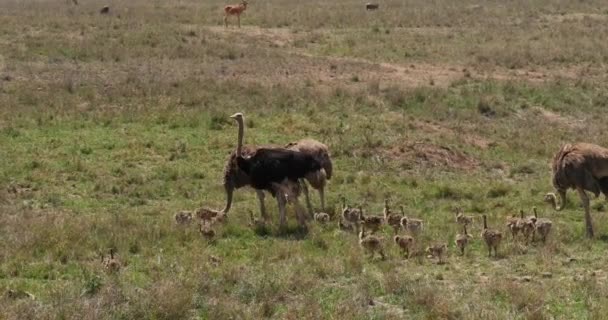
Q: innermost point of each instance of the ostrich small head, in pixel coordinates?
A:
(549, 197)
(237, 116)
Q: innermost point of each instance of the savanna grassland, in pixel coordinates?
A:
(110, 124)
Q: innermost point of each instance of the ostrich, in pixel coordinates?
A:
(269, 168)
(234, 178)
(580, 166)
(318, 179)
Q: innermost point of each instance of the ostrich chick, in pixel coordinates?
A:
(371, 244)
(438, 251)
(111, 264)
(516, 224)
(392, 219)
(255, 222)
(462, 239)
(370, 222)
(209, 215)
(491, 237)
(350, 216)
(542, 226)
(206, 231)
(183, 217)
(405, 243)
(462, 219)
(322, 217)
(414, 226)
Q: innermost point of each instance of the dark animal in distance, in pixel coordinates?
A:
(371, 6)
(105, 10)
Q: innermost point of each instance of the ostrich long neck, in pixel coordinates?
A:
(562, 201)
(239, 145)
(229, 192)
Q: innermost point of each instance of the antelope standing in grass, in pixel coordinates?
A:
(234, 10)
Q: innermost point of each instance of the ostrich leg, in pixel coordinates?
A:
(281, 201)
(588, 222)
(307, 197)
(322, 196)
(261, 197)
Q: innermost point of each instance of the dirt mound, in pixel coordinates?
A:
(430, 155)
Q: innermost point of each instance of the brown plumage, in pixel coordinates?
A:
(111, 264)
(462, 239)
(210, 216)
(438, 250)
(414, 226)
(405, 243)
(350, 216)
(183, 217)
(372, 223)
(206, 231)
(542, 226)
(583, 167)
(462, 219)
(491, 237)
(516, 224)
(322, 217)
(371, 244)
(392, 219)
(317, 180)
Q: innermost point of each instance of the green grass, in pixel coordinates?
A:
(111, 124)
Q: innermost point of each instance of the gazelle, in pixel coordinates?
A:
(234, 10)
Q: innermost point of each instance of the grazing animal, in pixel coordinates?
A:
(234, 10)
(414, 226)
(110, 264)
(438, 251)
(461, 218)
(542, 226)
(183, 217)
(322, 217)
(405, 243)
(392, 219)
(462, 239)
(370, 222)
(491, 237)
(105, 10)
(371, 244)
(317, 180)
(580, 166)
(371, 6)
(270, 169)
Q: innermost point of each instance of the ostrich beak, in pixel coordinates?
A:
(236, 115)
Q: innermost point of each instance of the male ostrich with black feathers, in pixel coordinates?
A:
(234, 178)
(272, 168)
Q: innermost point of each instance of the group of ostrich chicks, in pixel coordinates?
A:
(527, 226)
(283, 172)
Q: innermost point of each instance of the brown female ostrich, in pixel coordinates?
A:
(269, 168)
(318, 179)
(580, 166)
(234, 178)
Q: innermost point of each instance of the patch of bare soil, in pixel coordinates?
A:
(328, 71)
(574, 16)
(468, 138)
(430, 155)
(557, 119)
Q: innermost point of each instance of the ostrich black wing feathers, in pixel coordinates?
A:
(274, 165)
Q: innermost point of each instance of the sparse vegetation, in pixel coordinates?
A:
(110, 124)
